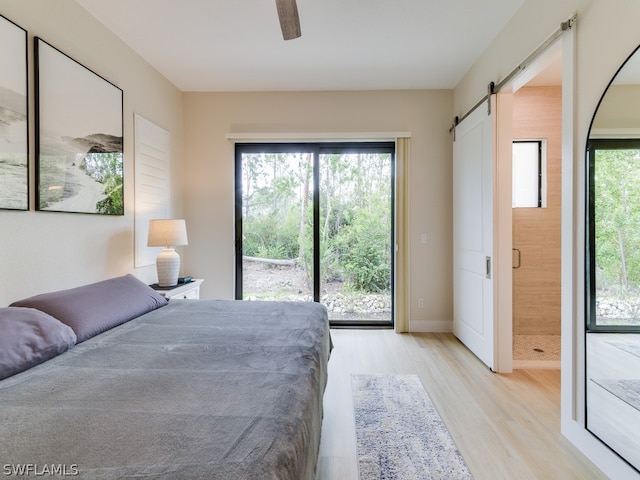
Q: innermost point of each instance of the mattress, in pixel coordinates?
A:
(196, 389)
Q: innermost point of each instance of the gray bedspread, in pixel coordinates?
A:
(195, 390)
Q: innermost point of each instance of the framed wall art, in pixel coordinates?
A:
(79, 136)
(14, 121)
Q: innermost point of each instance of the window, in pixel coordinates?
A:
(529, 174)
(315, 222)
(613, 235)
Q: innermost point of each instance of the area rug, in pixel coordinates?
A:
(627, 390)
(399, 432)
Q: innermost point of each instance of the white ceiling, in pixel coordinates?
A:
(236, 45)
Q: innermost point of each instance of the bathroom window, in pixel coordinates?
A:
(529, 172)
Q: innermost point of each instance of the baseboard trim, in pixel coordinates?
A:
(430, 326)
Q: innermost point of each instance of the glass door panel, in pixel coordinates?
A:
(356, 236)
(314, 222)
(277, 226)
(615, 235)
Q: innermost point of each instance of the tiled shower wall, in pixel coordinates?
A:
(537, 114)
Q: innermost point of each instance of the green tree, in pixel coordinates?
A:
(355, 200)
(617, 218)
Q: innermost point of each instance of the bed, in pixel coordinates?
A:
(196, 389)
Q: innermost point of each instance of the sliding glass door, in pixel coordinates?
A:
(314, 222)
(614, 235)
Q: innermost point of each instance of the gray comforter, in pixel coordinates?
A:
(194, 390)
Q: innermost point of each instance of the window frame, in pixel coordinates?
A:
(593, 145)
(542, 170)
(317, 149)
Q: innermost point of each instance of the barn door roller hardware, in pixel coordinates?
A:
(495, 87)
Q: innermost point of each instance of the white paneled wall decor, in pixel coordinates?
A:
(152, 155)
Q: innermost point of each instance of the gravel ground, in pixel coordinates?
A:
(262, 281)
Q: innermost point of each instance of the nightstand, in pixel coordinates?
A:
(189, 290)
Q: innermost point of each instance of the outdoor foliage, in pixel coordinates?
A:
(617, 224)
(355, 209)
(364, 249)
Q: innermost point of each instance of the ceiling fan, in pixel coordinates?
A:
(289, 20)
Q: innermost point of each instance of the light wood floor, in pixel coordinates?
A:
(505, 426)
(613, 420)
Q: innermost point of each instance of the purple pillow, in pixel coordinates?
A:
(29, 337)
(95, 308)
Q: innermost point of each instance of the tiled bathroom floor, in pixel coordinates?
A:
(536, 347)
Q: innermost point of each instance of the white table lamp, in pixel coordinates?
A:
(167, 234)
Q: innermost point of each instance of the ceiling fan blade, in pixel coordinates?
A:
(289, 20)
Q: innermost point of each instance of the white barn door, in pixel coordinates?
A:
(473, 213)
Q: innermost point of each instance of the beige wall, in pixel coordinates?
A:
(619, 110)
(209, 176)
(43, 251)
(537, 114)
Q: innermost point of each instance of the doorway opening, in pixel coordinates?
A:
(314, 222)
(536, 216)
(488, 329)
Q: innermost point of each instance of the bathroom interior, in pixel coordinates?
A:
(537, 119)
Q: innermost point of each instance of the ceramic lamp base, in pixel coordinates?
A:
(168, 265)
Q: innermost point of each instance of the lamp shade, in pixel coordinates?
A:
(166, 233)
